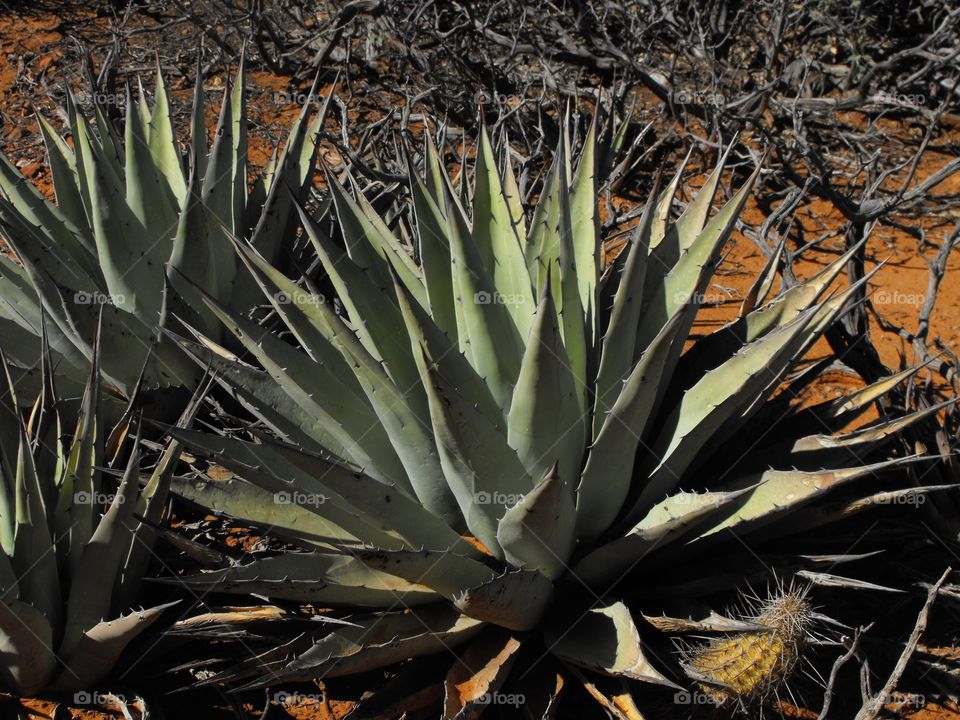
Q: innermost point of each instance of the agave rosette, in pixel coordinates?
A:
(134, 218)
(74, 548)
(494, 424)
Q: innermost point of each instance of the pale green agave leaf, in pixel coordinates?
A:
(516, 600)
(607, 475)
(443, 572)
(538, 532)
(352, 425)
(712, 350)
(668, 521)
(398, 408)
(714, 399)
(776, 493)
(605, 639)
(692, 270)
(482, 470)
(260, 394)
(547, 429)
(424, 333)
(250, 503)
(33, 558)
(63, 170)
(620, 338)
(497, 241)
(487, 334)
(318, 577)
(98, 651)
(322, 482)
(434, 252)
(382, 329)
(585, 233)
(378, 642)
(163, 142)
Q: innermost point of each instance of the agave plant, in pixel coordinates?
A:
(133, 218)
(498, 433)
(73, 547)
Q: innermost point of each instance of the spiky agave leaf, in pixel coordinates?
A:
(524, 442)
(76, 548)
(132, 219)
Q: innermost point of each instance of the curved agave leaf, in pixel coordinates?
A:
(776, 493)
(485, 329)
(708, 352)
(97, 652)
(381, 328)
(91, 593)
(478, 673)
(516, 600)
(547, 429)
(671, 520)
(714, 399)
(251, 503)
(318, 577)
(63, 169)
(397, 409)
(823, 450)
(280, 468)
(26, 637)
(451, 363)
(443, 572)
(371, 245)
(689, 276)
(377, 642)
(26, 201)
(620, 338)
(497, 242)
(34, 559)
(259, 393)
(538, 532)
(482, 470)
(605, 483)
(605, 639)
(355, 429)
